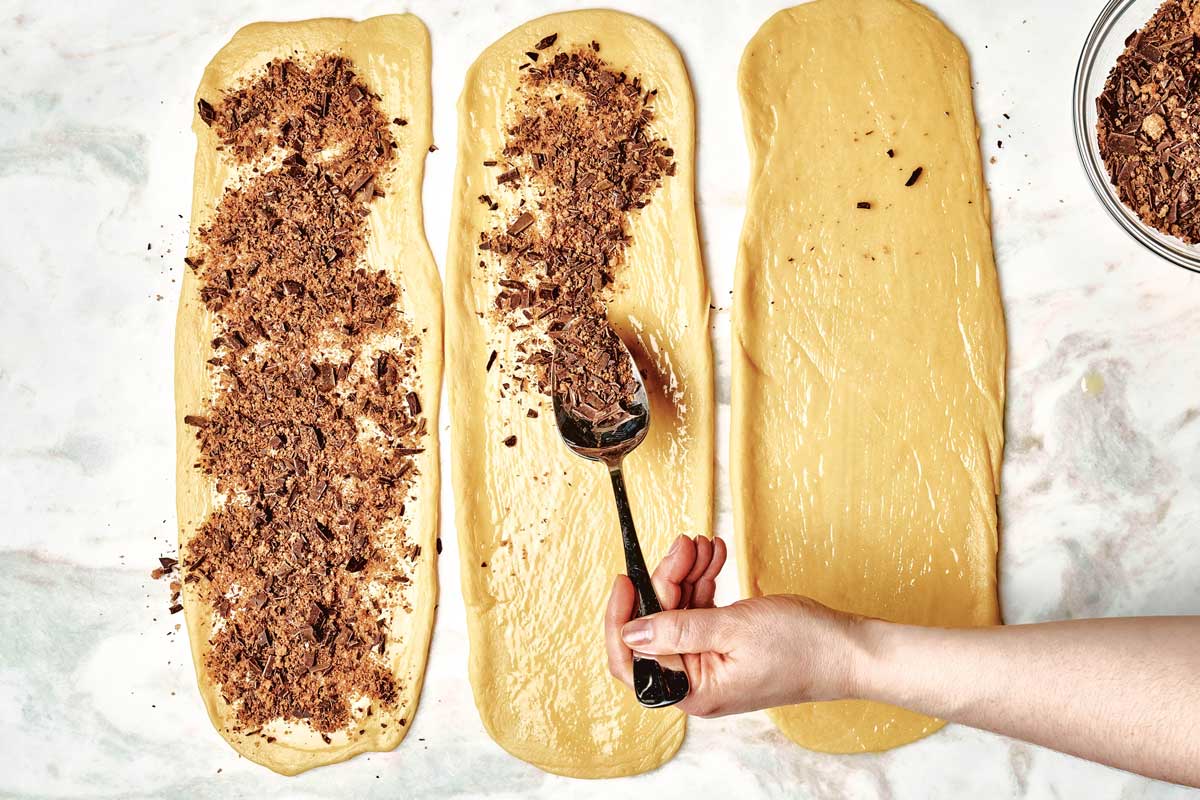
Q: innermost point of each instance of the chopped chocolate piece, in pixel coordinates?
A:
(863, 204)
(505, 177)
(414, 403)
(891, 153)
(511, 441)
(175, 609)
(325, 380)
(399, 121)
(195, 421)
(522, 222)
(546, 42)
(207, 113)
(491, 360)
(916, 175)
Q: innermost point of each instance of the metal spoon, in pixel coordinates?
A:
(654, 685)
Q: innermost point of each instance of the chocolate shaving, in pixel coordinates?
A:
(207, 113)
(522, 222)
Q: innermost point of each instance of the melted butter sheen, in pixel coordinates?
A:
(537, 526)
(869, 343)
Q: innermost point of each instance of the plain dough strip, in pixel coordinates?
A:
(869, 345)
(391, 54)
(537, 528)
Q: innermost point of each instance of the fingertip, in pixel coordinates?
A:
(678, 561)
(719, 555)
(704, 551)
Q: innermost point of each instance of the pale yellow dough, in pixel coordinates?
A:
(391, 54)
(869, 345)
(541, 519)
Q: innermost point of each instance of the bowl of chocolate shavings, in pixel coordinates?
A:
(1137, 121)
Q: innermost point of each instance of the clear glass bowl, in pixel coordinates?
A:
(1104, 43)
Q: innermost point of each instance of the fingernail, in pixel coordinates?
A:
(675, 544)
(636, 632)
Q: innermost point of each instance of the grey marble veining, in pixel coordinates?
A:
(1101, 500)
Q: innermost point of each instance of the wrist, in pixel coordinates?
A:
(866, 642)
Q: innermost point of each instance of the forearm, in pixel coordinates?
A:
(1124, 692)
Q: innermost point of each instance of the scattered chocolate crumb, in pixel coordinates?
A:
(891, 153)
(511, 441)
(491, 360)
(863, 204)
(916, 175)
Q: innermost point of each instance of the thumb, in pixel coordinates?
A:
(695, 630)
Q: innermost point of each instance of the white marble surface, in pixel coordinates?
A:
(1101, 502)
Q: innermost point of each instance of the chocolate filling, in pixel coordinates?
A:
(316, 417)
(580, 159)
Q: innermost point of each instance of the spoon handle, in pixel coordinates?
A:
(654, 685)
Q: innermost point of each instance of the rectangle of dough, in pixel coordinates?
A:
(537, 526)
(868, 372)
(391, 54)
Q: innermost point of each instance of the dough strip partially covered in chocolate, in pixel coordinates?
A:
(574, 210)
(308, 368)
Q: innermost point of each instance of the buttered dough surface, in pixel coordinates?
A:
(391, 55)
(537, 526)
(869, 342)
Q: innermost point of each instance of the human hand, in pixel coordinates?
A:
(758, 653)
